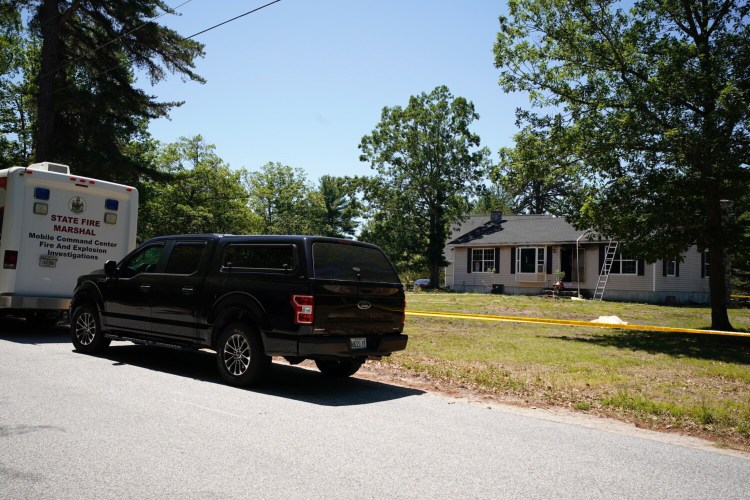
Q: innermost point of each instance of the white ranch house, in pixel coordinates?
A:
(524, 254)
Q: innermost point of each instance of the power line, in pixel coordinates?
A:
(235, 18)
(189, 37)
(114, 39)
(104, 44)
(139, 27)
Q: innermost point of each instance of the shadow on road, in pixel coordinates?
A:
(17, 330)
(292, 382)
(284, 381)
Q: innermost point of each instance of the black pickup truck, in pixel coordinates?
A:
(337, 302)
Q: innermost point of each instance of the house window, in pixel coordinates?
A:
(530, 260)
(672, 268)
(483, 260)
(624, 264)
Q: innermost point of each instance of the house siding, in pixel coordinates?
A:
(652, 287)
(479, 282)
(688, 287)
(464, 281)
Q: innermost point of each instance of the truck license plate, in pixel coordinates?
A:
(359, 343)
(47, 261)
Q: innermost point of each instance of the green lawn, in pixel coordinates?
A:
(697, 384)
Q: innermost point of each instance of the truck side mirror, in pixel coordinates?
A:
(110, 268)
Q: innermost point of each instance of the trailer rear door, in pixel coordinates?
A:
(71, 226)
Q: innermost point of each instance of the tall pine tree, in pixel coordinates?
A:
(88, 107)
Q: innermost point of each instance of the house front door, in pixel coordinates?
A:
(567, 255)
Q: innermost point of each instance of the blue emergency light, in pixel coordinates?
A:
(41, 193)
(111, 204)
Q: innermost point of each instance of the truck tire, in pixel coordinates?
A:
(85, 330)
(240, 355)
(339, 368)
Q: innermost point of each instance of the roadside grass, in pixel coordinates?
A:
(694, 384)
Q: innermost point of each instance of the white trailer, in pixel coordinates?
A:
(54, 227)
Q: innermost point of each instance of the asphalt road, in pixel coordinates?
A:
(141, 422)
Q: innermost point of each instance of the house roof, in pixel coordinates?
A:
(498, 229)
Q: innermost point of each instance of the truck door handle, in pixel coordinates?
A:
(145, 288)
(188, 290)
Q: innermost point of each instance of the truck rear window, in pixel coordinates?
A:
(259, 257)
(337, 261)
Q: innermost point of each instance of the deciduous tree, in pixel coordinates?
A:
(429, 165)
(492, 198)
(658, 97)
(540, 175)
(281, 197)
(202, 194)
(16, 60)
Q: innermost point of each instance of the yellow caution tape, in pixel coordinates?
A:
(594, 324)
(740, 296)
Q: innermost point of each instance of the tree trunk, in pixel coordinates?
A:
(538, 207)
(717, 278)
(435, 246)
(50, 20)
(717, 284)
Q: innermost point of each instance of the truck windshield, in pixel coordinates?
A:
(349, 262)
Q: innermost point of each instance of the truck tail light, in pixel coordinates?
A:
(10, 260)
(304, 306)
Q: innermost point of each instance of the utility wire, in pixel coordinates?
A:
(104, 44)
(235, 18)
(114, 39)
(189, 37)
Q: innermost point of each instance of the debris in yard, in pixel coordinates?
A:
(612, 320)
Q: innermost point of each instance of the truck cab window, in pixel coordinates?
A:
(144, 261)
(185, 258)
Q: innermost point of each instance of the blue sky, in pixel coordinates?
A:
(300, 82)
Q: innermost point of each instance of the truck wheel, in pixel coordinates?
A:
(339, 368)
(85, 330)
(240, 355)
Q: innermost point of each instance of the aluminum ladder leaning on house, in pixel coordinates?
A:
(609, 257)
